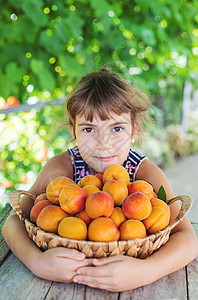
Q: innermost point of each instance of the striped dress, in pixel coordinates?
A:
(80, 167)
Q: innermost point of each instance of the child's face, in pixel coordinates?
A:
(102, 143)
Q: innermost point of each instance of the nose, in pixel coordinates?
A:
(103, 141)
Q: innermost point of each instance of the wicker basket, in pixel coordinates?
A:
(140, 247)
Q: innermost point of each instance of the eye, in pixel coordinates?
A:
(88, 129)
(118, 129)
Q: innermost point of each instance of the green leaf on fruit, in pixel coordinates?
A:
(161, 193)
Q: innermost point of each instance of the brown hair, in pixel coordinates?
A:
(103, 93)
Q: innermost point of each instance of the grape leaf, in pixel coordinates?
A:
(161, 193)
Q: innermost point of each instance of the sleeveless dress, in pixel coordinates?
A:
(80, 167)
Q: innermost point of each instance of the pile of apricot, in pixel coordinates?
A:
(101, 208)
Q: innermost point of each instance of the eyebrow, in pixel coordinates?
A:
(93, 125)
(86, 124)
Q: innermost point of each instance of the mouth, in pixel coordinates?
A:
(104, 158)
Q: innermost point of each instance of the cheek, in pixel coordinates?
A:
(122, 139)
(86, 146)
(81, 138)
(84, 140)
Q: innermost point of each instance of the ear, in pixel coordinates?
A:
(71, 129)
(135, 129)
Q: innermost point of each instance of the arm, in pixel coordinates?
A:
(121, 273)
(58, 264)
(59, 165)
(170, 257)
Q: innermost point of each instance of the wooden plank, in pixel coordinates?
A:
(18, 283)
(192, 274)
(172, 286)
(76, 291)
(4, 213)
(4, 250)
(97, 294)
(192, 278)
(195, 226)
(69, 291)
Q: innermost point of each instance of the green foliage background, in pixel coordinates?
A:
(48, 45)
(51, 44)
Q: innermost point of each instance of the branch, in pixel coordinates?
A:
(27, 107)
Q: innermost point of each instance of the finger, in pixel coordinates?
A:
(70, 253)
(107, 260)
(84, 263)
(101, 282)
(100, 271)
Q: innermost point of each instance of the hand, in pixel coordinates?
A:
(59, 264)
(114, 273)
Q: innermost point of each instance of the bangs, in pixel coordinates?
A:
(99, 98)
(94, 106)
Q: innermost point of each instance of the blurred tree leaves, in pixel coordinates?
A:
(70, 63)
(54, 43)
(11, 69)
(28, 139)
(33, 10)
(46, 79)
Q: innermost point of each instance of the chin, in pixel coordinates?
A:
(101, 167)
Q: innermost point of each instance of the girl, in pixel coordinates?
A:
(105, 116)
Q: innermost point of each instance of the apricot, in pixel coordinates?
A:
(103, 230)
(154, 195)
(99, 176)
(116, 172)
(99, 204)
(90, 189)
(157, 220)
(137, 206)
(41, 197)
(117, 216)
(132, 229)
(72, 198)
(84, 216)
(117, 189)
(72, 228)
(90, 180)
(37, 208)
(50, 217)
(141, 186)
(55, 186)
(160, 203)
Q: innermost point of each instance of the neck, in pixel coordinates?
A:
(92, 171)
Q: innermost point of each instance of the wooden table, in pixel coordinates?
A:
(17, 282)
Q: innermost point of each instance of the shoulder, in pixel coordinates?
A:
(59, 165)
(59, 161)
(147, 167)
